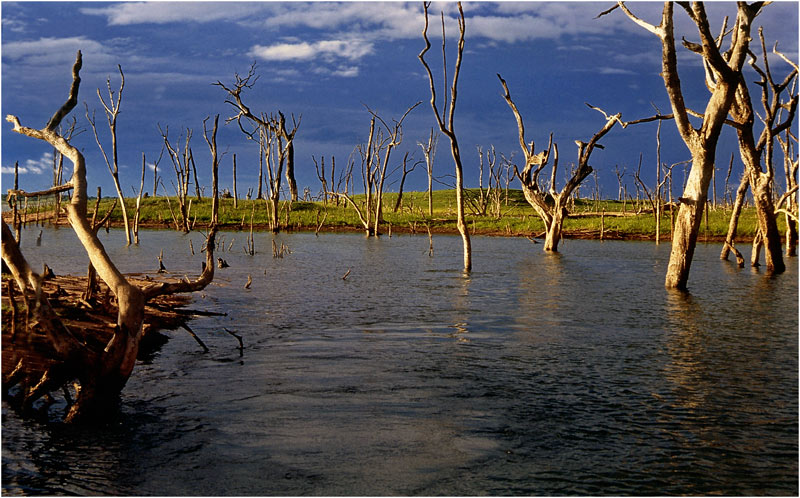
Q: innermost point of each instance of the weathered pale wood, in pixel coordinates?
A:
(112, 111)
(754, 153)
(429, 151)
(270, 128)
(550, 204)
(102, 375)
(445, 120)
(722, 78)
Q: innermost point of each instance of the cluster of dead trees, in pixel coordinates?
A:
(102, 373)
(275, 143)
(729, 104)
(93, 375)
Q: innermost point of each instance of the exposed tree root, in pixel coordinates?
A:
(44, 363)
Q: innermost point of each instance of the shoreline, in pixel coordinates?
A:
(388, 229)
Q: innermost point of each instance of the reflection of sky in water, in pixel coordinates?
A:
(570, 374)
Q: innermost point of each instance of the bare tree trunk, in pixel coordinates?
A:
(726, 194)
(744, 184)
(448, 127)
(182, 165)
(790, 165)
(196, 179)
(752, 153)
(17, 225)
(104, 373)
(688, 220)
(403, 182)
(235, 192)
(554, 230)
(138, 204)
(723, 74)
(322, 179)
(768, 226)
(260, 194)
(551, 206)
(155, 176)
(395, 138)
(112, 111)
(429, 151)
(758, 244)
(290, 180)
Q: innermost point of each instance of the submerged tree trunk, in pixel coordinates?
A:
(734, 220)
(446, 125)
(723, 74)
(768, 225)
(688, 219)
(551, 206)
(752, 153)
(553, 235)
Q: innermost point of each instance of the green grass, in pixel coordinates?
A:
(516, 215)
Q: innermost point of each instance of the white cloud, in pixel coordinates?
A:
(346, 72)
(50, 51)
(127, 13)
(33, 166)
(328, 49)
(615, 70)
(503, 21)
(378, 20)
(14, 25)
(499, 21)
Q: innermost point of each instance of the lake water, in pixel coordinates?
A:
(540, 374)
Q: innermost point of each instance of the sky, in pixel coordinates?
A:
(327, 63)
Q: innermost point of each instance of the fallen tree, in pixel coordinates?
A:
(98, 372)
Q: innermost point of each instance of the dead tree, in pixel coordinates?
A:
(429, 151)
(622, 191)
(482, 204)
(263, 124)
(370, 167)
(754, 152)
(726, 196)
(444, 119)
(181, 164)
(235, 192)
(406, 172)
(320, 167)
(788, 146)
(91, 273)
(139, 203)
(289, 139)
(654, 196)
(156, 178)
(58, 166)
(551, 205)
(112, 111)
(102, 373)
(702, 142)
(394, 136)
(790, 165)
(269, 143)
(375, 157)
(489, 197)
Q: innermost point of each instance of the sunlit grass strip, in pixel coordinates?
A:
(622, 220)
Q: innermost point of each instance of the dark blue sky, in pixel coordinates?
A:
(327, 61)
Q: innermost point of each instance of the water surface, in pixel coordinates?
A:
(575, 373)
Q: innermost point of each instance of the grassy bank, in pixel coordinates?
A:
(627, 220)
